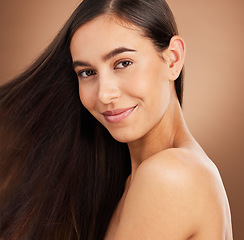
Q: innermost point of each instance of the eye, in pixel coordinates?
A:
(123, 64)
(86, 73)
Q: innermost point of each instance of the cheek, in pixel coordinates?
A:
(147, 80)
(136, 84)
(87, 97)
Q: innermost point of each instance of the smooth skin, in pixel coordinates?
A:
(174, 191)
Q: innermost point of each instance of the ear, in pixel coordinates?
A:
(175, 56)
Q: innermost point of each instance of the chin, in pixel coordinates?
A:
(124, 137)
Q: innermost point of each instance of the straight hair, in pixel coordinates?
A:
(61, 172)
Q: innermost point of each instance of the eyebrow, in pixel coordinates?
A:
(81, 64)
(106, 57)
(117, 51)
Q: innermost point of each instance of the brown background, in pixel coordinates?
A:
(214, 83)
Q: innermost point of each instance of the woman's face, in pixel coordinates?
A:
(123, 80)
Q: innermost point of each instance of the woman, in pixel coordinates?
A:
(93, 141)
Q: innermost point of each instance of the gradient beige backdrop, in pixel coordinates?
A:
(214, 83)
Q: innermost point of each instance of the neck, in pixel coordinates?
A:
(170, 132)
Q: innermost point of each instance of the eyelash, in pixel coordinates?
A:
(121, 62)
(85, 71)
(91, 72)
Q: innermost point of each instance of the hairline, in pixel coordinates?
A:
(120, 20)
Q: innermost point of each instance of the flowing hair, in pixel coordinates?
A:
(61, 172)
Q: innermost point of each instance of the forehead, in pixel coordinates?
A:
(104, 33)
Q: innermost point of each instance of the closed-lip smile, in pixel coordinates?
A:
(117, 115)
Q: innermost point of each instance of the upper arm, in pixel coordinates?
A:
(168, 200)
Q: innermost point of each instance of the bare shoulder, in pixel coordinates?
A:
(176, 194)
(180, 166)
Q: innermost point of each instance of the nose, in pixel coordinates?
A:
(108, 90)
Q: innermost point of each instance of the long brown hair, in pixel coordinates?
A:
(61, 172)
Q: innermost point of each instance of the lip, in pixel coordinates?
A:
(117, 115)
